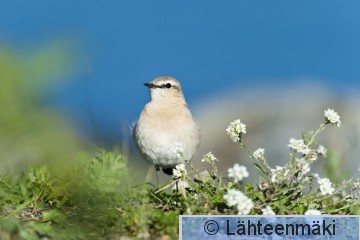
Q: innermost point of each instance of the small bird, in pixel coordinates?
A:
(165, 122)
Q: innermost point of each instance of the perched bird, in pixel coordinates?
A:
(166, 123)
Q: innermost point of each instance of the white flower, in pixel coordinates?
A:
(279, 174)
(179, 171)
(237, 173)
(303, 165)
(233, 197)
(332, 117)
(311, 212)
(321, 150)
(244, 206)
(268, 211)
(325, 186)
(177, 150)
(209, 157)
(298, 145)
(259, 153)
(235, 129)
(237, 198)
(311, 156)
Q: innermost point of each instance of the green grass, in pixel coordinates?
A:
(97, 201)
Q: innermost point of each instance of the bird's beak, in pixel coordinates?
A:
(149, 85)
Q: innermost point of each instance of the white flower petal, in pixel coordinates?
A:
(259, 153)
(235, 129)
(332, 116)
(311, 212)
(268, 211)
(238, 173)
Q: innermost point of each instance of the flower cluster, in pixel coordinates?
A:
(312, 156)
(237, 198)
(321, 150)
(209, 158)
(332, 117)
(267, 211)
(302, 165)
(235, 129)
(259, 153)
(179, 171)
(237, 173)
(299, 146)
(279, 174)
(177, 150)
(325, 186)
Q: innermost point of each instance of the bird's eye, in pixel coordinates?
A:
(168, 85)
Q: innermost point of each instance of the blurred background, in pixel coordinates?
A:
(72, 74)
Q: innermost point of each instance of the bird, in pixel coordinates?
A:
(164, 123)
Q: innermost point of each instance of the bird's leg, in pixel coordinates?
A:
(157, 175)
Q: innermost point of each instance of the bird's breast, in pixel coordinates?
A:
(159, 128)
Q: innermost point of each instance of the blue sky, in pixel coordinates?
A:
(210, 46)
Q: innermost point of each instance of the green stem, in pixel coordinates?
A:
(255, 159)
(347, 206)
(319, 130)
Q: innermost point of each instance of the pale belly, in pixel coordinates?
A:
(156, 142)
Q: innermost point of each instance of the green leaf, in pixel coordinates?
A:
(53, 216)
(313, 206)
(306, 137)
(258, 166)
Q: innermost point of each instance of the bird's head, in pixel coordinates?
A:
(165, 90)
